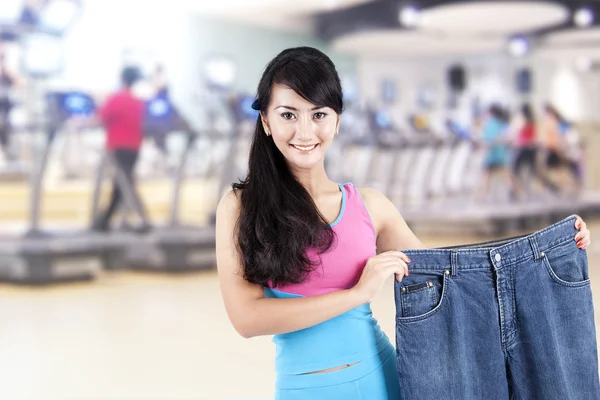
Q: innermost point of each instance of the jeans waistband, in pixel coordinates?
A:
(495, 254)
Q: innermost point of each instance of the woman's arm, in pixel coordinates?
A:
(249, 311)
(393, 234)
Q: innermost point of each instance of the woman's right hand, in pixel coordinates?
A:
(377, 270)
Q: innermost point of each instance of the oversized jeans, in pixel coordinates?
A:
(500, 320)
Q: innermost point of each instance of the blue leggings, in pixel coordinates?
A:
(375, 378)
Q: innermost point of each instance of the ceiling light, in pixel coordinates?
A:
(410, 16)
(57, 15)
(10, 11)
(42, 55)
(518, 46)
(220, 72)
(583, 17)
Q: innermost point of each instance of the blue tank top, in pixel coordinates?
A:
(350, 337)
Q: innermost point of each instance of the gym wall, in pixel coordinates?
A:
(492, 78)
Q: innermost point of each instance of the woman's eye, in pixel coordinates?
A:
(320, 115)
(288, 115)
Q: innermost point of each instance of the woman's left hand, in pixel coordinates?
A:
(583, 238)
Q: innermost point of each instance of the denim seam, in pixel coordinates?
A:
(436, 268)
(501, 312)
(514, 309)
(534, 246)
(403, 301)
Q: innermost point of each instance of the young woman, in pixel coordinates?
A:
(301, 257)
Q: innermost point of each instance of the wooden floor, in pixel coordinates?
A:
(135, 336)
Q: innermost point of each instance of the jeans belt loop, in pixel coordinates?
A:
(454, 262)
(534, 248)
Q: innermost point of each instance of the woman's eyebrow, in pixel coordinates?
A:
(295, 109)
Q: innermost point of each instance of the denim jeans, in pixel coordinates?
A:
(512, 319)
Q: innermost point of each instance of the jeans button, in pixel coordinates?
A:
(498, 257)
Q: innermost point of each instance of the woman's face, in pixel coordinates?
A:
(300, 130)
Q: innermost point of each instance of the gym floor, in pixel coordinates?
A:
(139, 336)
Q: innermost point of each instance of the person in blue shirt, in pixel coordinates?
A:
(495, 138)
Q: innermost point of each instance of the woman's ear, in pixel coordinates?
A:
(337, 125)
(265, 124)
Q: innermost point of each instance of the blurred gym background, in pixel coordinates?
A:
(479, 119)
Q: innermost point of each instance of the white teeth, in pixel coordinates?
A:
(305, 148)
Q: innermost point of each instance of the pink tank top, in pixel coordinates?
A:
(354, 243)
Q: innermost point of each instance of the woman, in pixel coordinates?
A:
(561, 150)
(496, 141)
(301, 257)
(527, 150)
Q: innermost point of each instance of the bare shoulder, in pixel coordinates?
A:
(372, 195)
(378, 206)
(228, 212)
(229, 204)
(375, 201)
(228, 256)
(392, 231)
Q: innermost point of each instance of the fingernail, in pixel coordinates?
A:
(409, 260)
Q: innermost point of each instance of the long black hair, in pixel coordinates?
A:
(279, 220)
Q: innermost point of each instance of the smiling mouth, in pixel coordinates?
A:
(305, 148)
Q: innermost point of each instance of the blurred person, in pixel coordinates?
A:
(556, 132)
(574, 157)
(122, 116)
(301, 257)
(158, 128)
(496, 141)
(8, 82)
(527, 149)
(553, 128)
(160, 82)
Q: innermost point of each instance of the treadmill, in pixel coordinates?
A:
(235, 165)
(42, 256)
(174, 247)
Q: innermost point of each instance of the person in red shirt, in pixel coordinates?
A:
(528, 152)
(526, 142)
(122, 116)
